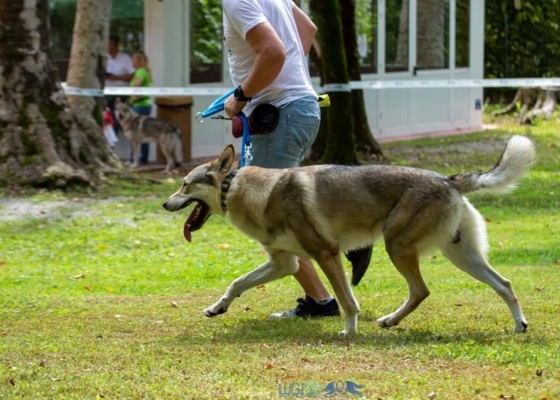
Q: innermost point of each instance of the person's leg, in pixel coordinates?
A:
(144, 147)
(286, 147)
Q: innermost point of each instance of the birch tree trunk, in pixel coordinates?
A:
(87, 66)
(41, 144)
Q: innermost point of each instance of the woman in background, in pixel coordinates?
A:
(141, 104)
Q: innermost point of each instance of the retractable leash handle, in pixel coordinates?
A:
(217, 106)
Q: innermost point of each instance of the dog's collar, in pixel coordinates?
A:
(225, 187)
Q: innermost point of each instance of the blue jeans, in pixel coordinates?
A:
(144, 147)
(288, 144)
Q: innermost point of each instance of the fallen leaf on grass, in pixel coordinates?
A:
(224, 246)
(12, 381)
(247, 308)
(55, 379)
(553, 145)
(174, 304)
(268, 366)
(488, 219)
(539, 372)
(539, 288)
(79, 276)
(2, 262)
(501, 244)
(170, 180)
(119, 316)
(506, 396)
(261, 286)
(555, 262)
(87, 287)
(431, 395)
(305, 359)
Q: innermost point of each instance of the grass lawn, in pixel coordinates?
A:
(101, 297)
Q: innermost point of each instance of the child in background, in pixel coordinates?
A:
(108, 129)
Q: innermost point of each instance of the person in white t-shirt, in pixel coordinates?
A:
(119, 73)
(267, 42)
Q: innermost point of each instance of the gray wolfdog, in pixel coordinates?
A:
(142, 129)
(317, 212)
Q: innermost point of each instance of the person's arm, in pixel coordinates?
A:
(306, 28)
(271, 55)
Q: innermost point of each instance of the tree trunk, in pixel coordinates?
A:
(430, 41)
(365, 143)
(340, 140)
(402, 41)
(87, 66)
(41, 143)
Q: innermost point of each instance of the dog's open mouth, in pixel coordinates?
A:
(196, 219)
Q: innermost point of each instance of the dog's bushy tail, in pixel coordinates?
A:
(515, 162)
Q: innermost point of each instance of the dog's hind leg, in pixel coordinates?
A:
(277, 266)
(469, 255)
(405, 260)
(169, 157)
(333, 269)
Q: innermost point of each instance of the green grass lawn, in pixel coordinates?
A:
(101, 297)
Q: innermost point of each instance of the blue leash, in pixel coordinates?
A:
(217, 106)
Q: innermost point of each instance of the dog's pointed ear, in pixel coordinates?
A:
(226, 161)
(224, 164)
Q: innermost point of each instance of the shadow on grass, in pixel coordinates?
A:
(321, 333)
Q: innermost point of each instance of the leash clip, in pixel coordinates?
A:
(199, 117)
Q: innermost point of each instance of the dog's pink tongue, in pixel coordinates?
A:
(187, 232)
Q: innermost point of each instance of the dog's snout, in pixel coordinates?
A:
(164, 205)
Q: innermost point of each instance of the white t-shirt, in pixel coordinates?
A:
(121, 64)
(240, 16)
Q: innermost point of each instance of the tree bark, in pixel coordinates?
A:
(87, 66)
(366, 145)
(340, 140)
(430, 34)
(41, 143)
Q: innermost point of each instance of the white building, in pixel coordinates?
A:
(399, 40)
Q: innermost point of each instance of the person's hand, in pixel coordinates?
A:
(233, 107)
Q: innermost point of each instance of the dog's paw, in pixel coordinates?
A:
(347, 332)
(212, 312)
(521, 327)
(386, 321)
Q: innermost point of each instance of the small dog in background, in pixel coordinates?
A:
(143, 129)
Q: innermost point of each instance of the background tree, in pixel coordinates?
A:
(40, 141)
(87, 66)
(352, 135)
(365, 143)
(340, 143)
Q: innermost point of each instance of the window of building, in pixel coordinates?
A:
(396, 35)
(366, 30)
(206, 41)
(127, 22)
(432, 37)
(462, 27)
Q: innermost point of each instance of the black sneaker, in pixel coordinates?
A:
(308, 307)
(360, 259)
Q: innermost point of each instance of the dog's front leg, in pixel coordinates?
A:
(333, 269)
(277, 266)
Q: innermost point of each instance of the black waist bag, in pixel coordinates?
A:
(263, 119)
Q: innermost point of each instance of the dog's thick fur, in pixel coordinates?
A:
(143, 129)
(320, 211)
